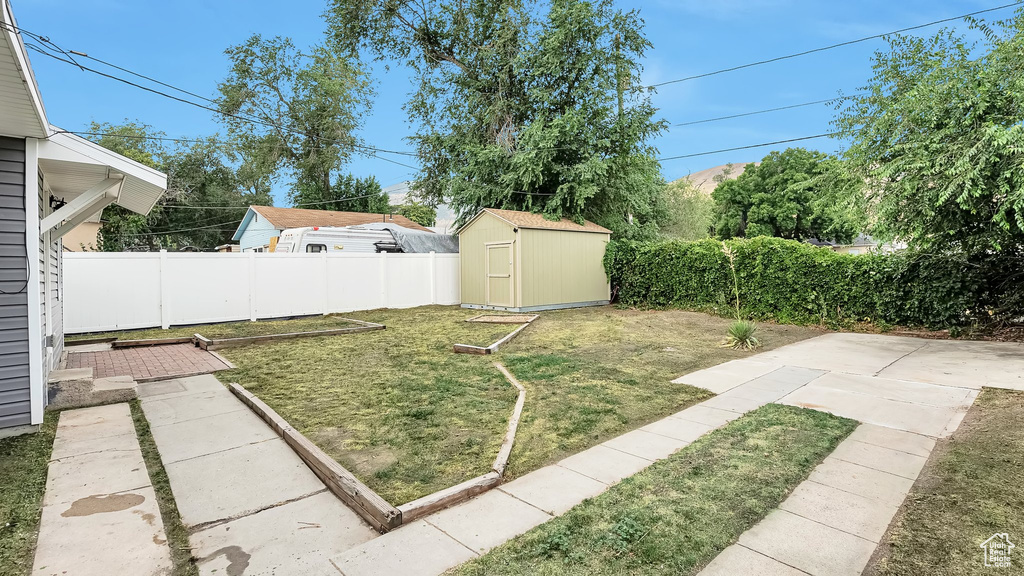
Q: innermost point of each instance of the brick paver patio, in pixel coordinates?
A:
(148, 363)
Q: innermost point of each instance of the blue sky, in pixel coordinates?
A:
(183, 42)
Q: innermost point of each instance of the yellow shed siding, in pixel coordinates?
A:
(472, 254)
(560, 267)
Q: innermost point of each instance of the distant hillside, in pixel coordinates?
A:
(706, 181)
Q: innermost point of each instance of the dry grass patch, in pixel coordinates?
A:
(23, 465)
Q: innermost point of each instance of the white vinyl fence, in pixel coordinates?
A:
(118, 291)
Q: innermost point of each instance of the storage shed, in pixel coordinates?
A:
(523, 262)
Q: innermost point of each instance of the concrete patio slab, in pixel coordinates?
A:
(917, 418)
(488, 520)
(106, 472)
(965, 364)
(864, 354)
(646, 445)
(250, 478)
(879, 458)
(862, 481)
(553, 489)
(804, 544)
(418, 549)
(747, 391)
(726, 376)
(707, 415)
(899, 390)
(785, 379)
(202, 436)
(858, 515)
(753, 563)
(99, 507)
(684, 430)
(733, 403)
(162, 411)
(179, 387)
(295, 539)
(606, 465)
(908, 442)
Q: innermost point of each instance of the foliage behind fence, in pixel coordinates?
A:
(793, 282)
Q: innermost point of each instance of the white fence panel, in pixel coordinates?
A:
(118, 291)
(126, 294)
(206, 288)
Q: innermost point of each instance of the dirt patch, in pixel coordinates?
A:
(365, 461)
(102, 503)
(968, 490)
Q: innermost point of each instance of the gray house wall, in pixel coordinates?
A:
(15, 402)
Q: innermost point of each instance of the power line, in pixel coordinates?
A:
(831, 47)
(780, 108)
(747, 147)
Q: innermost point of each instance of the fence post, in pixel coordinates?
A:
(433, 277)
(165, 306)
(325, 309)
(252, 286)
(383, 279)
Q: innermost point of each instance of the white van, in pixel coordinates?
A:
(315, 239)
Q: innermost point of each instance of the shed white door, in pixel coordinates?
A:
(499, 275)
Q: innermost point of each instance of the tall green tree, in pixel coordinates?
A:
(418, 212)
(202, 187)
(347, 194)
(939, 136)
(795, 194)
(689, 211)
(521, 109)
(293, 112)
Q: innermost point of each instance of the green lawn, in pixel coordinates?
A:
(970, 489)
(409, 417)
(678, 514)
(23, 461)
(228, 329)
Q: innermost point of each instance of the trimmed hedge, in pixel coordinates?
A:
(797, 283)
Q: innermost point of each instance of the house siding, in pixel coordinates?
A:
(15, 395)
(257, 234)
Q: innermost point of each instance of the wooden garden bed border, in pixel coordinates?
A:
(212, 344)
(367, 503)
(149, 342)
(470, 349)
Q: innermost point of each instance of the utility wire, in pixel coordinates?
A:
(831, 47)
(780, 108)
(747, 147)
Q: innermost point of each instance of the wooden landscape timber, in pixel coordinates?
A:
(364, 501)
(470, 349)
(217, 344)
(359, 497)
(149, 342)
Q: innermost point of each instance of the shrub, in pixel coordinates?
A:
(741, 336)
(796, 283)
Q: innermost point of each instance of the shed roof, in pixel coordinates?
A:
(538, 221)
(284, 218)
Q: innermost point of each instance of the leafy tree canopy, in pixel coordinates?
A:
(689, 211)
(795, 194)
(418, 212)
(347, 194)
(196, 209)
(940, 140)
(522, 110)
(294, 112)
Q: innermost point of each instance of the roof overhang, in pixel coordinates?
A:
(73, 165)
(22, 114)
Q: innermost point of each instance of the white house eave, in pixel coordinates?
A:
(75, 146)
(20, 56)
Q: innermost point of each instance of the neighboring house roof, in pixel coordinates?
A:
(284, 218)
(538, 221)
(23, 114)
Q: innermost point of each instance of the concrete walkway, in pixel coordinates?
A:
(908, 392)
(251, 505)
(100, 514)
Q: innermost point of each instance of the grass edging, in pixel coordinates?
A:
(183, 562)
(675, 516)
(220, 343)
(24, 463)
(470, 349)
